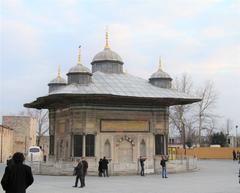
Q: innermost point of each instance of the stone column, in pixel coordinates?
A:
(84, 145)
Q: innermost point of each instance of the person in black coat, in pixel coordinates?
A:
(142, 160)
(100, 170)
(105, 166)
(85, 167)
(234, 155)
(79, 174)
(18, 176)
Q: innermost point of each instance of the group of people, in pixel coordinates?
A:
(236, 156)
(103, 167)
(18, 176)
(80, 171)
(162, 163)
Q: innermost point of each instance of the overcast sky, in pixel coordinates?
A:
(198, 37)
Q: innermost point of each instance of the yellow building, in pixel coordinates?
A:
(24, 131)
(6, 142)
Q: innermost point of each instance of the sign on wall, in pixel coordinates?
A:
(124, 126)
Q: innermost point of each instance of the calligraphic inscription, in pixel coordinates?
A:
(124, 126)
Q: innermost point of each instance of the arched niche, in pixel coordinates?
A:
(107, 149)
(143, 150)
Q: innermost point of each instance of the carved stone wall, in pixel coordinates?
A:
(122, 146)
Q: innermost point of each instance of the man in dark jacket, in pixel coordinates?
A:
(85, 167)
(164, 166)
(234, 155)
(79, 174)
(105, 166)
(142, 160)
(18, 176)
(100, 170)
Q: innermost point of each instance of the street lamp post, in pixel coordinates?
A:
(236, 136)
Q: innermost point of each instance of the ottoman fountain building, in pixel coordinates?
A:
(106, 112)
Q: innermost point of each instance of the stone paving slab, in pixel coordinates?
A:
(214, 176)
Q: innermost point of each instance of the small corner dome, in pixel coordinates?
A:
(107, 55)
(160, 74)
(58, 80)
(79, 68)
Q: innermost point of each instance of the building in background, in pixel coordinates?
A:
(24, 131)
(106, 112)
(6, 142)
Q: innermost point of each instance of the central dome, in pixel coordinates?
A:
(107, 61)
(107, 55)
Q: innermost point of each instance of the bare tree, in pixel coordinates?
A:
(179, 114)
(204, 108)
(42, 121)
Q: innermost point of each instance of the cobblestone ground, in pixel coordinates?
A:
(214, 176)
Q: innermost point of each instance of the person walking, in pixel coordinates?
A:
(164, 166)
(85, 167)
(105, 167)
(17, 176)
(79, 174)
(234, 155)
(142, 160)
(100, 170)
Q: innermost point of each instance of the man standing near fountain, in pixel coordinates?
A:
(164, 166)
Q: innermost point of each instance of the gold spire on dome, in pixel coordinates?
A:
(79, 55)
(106, 45)
(160, 63)
(59, 75)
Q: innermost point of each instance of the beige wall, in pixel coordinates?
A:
(24, 131)
(6, 143)
(32, 132)
(209, 152)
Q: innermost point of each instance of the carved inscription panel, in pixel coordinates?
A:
(124, 126)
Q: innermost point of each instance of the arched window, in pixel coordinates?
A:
(143, 148)
(90, 145)
(78, 145)
(159, 144)
(107, 149)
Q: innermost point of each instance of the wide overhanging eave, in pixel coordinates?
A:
(56, 100)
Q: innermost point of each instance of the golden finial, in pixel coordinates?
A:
(59, 76)
(106, 45)
(160, 63)
(79, 55)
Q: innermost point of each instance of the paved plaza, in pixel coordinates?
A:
(215, 176)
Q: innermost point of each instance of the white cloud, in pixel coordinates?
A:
(213, 32)
(20, 38)
(223, 59)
